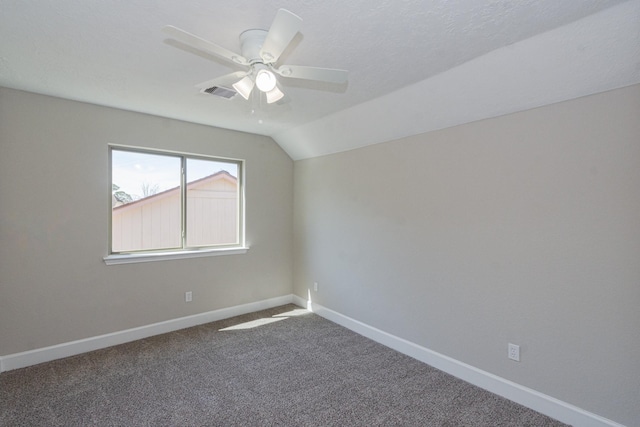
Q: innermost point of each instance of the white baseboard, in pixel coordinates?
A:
(46, 354)
(525, 396)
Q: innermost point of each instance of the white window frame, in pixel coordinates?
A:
(184, 252)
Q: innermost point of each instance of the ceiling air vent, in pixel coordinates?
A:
(222, 92)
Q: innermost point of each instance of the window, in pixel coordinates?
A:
(163, 202)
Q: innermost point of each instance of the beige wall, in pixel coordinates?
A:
(54, 209)
(523, 229)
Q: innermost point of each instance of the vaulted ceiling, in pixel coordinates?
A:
(414, 66)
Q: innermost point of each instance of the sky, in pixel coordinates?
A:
(129, 170)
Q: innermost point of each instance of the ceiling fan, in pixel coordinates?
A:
(261, 50)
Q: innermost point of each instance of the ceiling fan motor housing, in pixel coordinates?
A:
(251, 42)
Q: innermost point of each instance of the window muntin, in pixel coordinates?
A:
(170, 201)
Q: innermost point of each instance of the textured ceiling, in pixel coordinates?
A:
(419, 65)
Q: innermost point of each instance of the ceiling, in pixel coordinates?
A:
(414, 66)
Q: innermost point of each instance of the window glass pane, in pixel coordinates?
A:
(146, 201)
(212, 203)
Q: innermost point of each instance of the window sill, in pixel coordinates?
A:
(165, 256)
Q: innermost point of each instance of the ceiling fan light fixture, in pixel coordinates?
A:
(266, 80)
(274, 95)
(244, 86)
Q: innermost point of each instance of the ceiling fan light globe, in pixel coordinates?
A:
(265, 80)
(244, 87)
(274, 95)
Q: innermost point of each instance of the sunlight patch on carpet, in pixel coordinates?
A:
(293, 313)
(253, 323)
(266, 320)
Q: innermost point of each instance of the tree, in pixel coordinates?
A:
(149, 189)
(120, 197)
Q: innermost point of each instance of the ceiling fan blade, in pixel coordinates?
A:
(204, 45)
(284, 28)
(225, 81)
(329, 75)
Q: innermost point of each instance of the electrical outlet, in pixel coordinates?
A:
(315, 286)
(514, 352)
(188, 296)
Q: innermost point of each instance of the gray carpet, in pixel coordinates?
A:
(297, 370)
